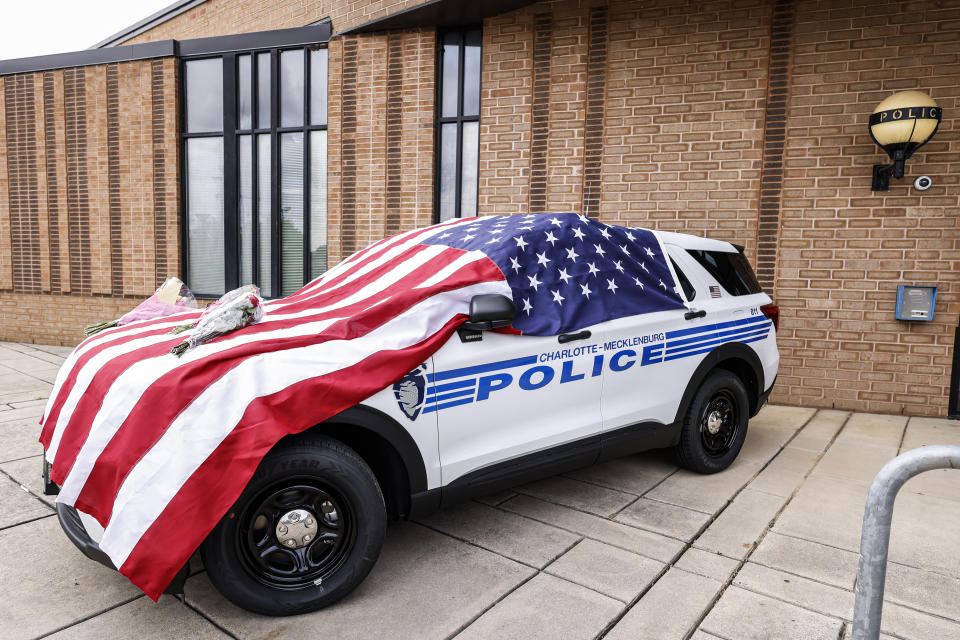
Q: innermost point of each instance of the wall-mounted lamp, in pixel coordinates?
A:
(901, 124)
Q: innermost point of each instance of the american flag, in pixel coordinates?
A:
(157, 448)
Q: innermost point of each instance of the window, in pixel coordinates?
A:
(688, 289)
(732, 271)
(458, 124)
(255, 165)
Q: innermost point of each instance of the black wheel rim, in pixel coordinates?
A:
(719, 423)
(263, 555)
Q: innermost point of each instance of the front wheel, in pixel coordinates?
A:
(715, 425)
(306, 530)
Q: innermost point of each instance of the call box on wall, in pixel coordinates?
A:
(915, 303)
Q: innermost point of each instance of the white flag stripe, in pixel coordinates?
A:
(126, 391)
(447, 271)
(199, 430)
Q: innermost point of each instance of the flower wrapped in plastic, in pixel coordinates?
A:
(210, 308)
(227, 314)
(171, 297)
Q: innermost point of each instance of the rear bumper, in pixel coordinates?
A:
(762, 400)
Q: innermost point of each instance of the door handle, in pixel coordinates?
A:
(570, 337)
(690, 315)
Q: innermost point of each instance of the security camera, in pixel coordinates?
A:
(922, 183)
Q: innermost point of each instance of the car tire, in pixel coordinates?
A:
(313, 494)
(715, 424)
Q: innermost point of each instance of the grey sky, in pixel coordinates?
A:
(40, 27)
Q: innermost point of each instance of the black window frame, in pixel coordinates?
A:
(459, 119)
(230, 49)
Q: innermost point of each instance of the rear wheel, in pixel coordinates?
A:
(306, 530)
(715, 425)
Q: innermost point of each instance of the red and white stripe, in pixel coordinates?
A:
(157, 448)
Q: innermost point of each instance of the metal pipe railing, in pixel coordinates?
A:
(875, 536)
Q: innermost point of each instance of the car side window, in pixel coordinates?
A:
(688, 289)
(731, 270)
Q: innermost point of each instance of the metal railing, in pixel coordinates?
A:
(875, 536)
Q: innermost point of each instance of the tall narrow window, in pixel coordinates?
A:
(255, 145)
(458, 124)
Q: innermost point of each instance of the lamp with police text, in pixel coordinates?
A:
(901, 124)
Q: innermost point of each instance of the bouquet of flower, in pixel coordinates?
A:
(238, 309)
(171, 297)
(210, 308)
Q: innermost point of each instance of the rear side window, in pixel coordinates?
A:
(731, 270)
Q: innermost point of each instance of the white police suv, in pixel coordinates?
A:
(652, 340)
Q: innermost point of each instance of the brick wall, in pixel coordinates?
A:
(224, 17)
(381, 104)
(843, 249)
(88, 193)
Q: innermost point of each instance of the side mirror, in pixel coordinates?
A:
(490, 311)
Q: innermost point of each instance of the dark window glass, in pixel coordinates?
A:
(448, 171)
(204, 86)
(264, 217)
(471, 73)
(291, 88)
(318, 86)
(263, 91)
(245, 91)
(245, 167)
(458, 124)
(685, 284)
(731, 270)
(259, 216)
(204, 170)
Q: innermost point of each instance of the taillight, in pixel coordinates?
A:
(772, 312)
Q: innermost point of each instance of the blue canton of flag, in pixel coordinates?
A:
(568, 271)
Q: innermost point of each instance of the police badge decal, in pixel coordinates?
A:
(410, 391)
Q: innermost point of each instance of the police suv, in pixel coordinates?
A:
(492, 409)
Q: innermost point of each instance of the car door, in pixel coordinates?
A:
(508, 403)
(643, 382)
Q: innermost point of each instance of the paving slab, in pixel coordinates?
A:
(782, 416)
(926, 590)
(168, 618)
(763, 442)
(819, 432)
(874, 428)
(830, 510)
(611, 571)
(709, 564)
(571, 493)
(855, 459)
(806, 593)
(21, 415)
(19, 439)
(706, 493)
(64, 586)
(669, 610)
(645, 543)
(785, 472)
(27, 472)
(546, 607)
(634, 474)
(425, 585)
(508, 534)
(943, 483)
(911, 624)
(745, 615)
(829, 565)
(735, 531)
(660, 517)
(496, 498)
(17, 505)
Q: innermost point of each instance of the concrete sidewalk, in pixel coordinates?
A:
(634, 548)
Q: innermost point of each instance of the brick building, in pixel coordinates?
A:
(227, 141)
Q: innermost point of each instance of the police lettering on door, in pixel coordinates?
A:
(455, 387)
